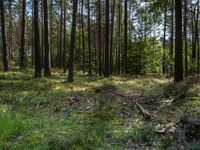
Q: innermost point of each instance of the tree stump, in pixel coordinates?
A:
(191, 126)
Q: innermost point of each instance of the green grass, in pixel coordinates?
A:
(38, 114)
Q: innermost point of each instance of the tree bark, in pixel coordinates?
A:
(178, 75)
(185, 32)
(72, 43)
(111, 38)
(99, 38)
(61, 33)
(5, 52)
(119, 38)
(23, 28)
(164, 40)
(107, 63)
(38, 67)
(89, 41)
(47, 54)
(125, 37)
(10, 31)
(172, 38)
(65, 39)
(83, 35)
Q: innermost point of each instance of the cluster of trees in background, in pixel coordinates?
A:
(102, 37)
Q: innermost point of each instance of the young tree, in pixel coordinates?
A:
(47, 53)
(178, 70)
(5, 53)
(23, 29)
(38, 67)
(72, 43)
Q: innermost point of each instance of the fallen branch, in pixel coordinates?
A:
(144, 112)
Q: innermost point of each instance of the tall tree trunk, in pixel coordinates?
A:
(10, 31)
(119, 38)
(83, 35)
(99, 38)
(197, 35)
(125, 36)
(193, 35)
(61, 33)
(33, 45)
(111, 36)
(185, 32)
(42, 35)
(5, 53)
(89, 41)
(178, 75)
(65, 39)
(72, 42)
(107, 63)
(164, 40)
(47, 54)
(38, 67)
(23, 28)
(172, 38)
(51, 30)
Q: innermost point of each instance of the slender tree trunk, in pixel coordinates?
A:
(178, 76)
(42, 35)
(197, 36)
(111, 38)
(33, 44)
(5, 52)
(172, 37)
(164, 41)
(89, 41)
(72, 42)
(61, 33)
(51, 30)
(186, 45)
(47, 54)
(193, 36)
(83, 35)
(126, 37)
(10, 31)
(107, 63)
(65, 39)
(99, 38)
(38, 67)
(23, 28)
(119, 38)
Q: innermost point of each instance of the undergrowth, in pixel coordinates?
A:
(40, 113)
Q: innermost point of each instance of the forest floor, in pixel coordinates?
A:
(94, 112)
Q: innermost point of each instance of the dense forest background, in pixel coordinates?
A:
(110, 37)
(99, 74)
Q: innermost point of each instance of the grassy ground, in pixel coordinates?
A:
(49, 113)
